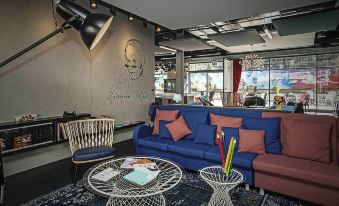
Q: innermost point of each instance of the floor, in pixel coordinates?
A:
(25, 186)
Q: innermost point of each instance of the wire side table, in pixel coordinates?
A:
(124, 193)
(221, 184)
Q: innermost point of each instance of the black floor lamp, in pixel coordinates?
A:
(91, 26)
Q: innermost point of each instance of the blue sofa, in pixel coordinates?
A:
(191, 155)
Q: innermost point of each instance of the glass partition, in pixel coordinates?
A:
(311, 79)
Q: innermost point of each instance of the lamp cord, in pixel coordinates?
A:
(55, 20)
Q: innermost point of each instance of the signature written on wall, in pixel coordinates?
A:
(124, 97)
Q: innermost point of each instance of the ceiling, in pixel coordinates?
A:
(177, 14)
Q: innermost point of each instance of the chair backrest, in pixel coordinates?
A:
(88, 133)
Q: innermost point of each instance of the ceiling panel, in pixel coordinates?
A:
(307, 23)
(176, 14)
(246, 37)
(187, 44)
(278, 42)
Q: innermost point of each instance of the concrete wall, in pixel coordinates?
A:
(62, 74)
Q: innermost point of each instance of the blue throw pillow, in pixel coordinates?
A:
(193, 119)
(230, 132)
(272, 132)
(205, 134)
(163, 131)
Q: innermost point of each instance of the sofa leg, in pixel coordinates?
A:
(247, 187)
(262, 191)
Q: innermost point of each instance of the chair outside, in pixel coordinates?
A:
(90, 140)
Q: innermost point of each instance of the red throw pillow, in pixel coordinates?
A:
(224, 121)
(168, 115)
(252, 141)
(178, 129)
(307, 140)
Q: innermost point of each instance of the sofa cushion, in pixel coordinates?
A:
(188, 148)
(193, 119)
(163, 131)
(205, 134)
(155, 142)
(272, 132)
(92, 153)
(252, 141)
(241, 159)
(168, 115)
(230, 132)
(225, 121)
(313, 118)
(306, 170)
(178, 129)
(307, 140)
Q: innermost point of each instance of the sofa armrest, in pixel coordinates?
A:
(141, 131)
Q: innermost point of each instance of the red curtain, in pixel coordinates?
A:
(237, 68)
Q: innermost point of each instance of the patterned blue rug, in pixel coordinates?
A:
(192, 191)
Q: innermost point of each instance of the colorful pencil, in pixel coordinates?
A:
(221, 151)
(230, 161)
(228, 155)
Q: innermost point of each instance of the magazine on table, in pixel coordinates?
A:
(141, 176)
(106, 174)
(132, 163)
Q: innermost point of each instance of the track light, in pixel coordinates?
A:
(267, 32)
(158, 29)
(144, 23)
(167, 48)
(130, 18)
(93, 4)
(113, 13)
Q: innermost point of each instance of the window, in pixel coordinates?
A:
(206, 79)
(311, 78)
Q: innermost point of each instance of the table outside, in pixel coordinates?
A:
(221, 183)
(122, 192)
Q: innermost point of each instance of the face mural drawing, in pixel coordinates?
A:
(134, 59)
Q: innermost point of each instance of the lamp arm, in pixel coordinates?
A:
(64, 27)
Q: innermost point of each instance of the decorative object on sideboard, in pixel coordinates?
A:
(92, 26)
(22, 140)
(26, 117)
(69, 114)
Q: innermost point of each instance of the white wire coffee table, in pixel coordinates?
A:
(221, 184)
(121, 192)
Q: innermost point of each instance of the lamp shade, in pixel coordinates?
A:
(177, 98)
(92, 26)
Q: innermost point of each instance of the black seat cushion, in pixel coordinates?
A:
(93, 153)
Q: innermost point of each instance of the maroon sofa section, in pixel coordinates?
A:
(313, 180)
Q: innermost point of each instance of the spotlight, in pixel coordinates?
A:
(158, 29)
(130, 18)
(144, 23)
(113, 13)
(93, 4)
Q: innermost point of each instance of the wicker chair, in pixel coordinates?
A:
(90, 140)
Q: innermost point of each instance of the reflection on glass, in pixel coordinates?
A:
(199, 83)
(206, 66)
(327, 81)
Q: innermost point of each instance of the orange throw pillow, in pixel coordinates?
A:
(168, 115)
(252, 141)
(224, 121)
(178, 129)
